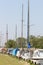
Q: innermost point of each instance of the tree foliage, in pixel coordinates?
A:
(21, 42)
(36, 42)
(11, 44)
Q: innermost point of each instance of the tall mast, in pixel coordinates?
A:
(16, 32)
(6, 32)
(28, 40)
(16, 35)
(22, 23)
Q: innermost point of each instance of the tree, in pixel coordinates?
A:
(11, 44)
(21, 42)
(36, 42)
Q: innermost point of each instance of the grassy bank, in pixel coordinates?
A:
(8, 60)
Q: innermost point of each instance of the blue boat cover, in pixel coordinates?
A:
(14, 52)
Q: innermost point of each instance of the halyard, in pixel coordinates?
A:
(9, 60)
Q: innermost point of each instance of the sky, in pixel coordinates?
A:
(11, 14)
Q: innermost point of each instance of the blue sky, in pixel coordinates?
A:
(11, 14)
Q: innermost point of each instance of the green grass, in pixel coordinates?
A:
(9, 60)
